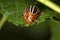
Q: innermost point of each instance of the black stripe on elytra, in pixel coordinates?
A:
(31, 7)
(35, 10)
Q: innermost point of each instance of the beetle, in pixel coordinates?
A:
(31, 14)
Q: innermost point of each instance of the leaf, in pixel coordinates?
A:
(57, 15)
(47, 13)
(14, 9)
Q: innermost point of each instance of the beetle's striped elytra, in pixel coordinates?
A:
(31, 14)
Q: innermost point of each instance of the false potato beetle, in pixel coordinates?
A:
(31, 14)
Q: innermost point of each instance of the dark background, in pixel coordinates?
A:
(36, 32)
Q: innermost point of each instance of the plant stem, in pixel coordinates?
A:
(51, 5)
(2, 21)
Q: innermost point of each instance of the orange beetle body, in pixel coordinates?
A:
(31, 14)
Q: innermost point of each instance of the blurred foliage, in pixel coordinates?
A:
(37, 32)
(55, 29)
(14, 9)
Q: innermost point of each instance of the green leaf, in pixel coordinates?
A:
(57, 16)
(14, 9)
(47, 13)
